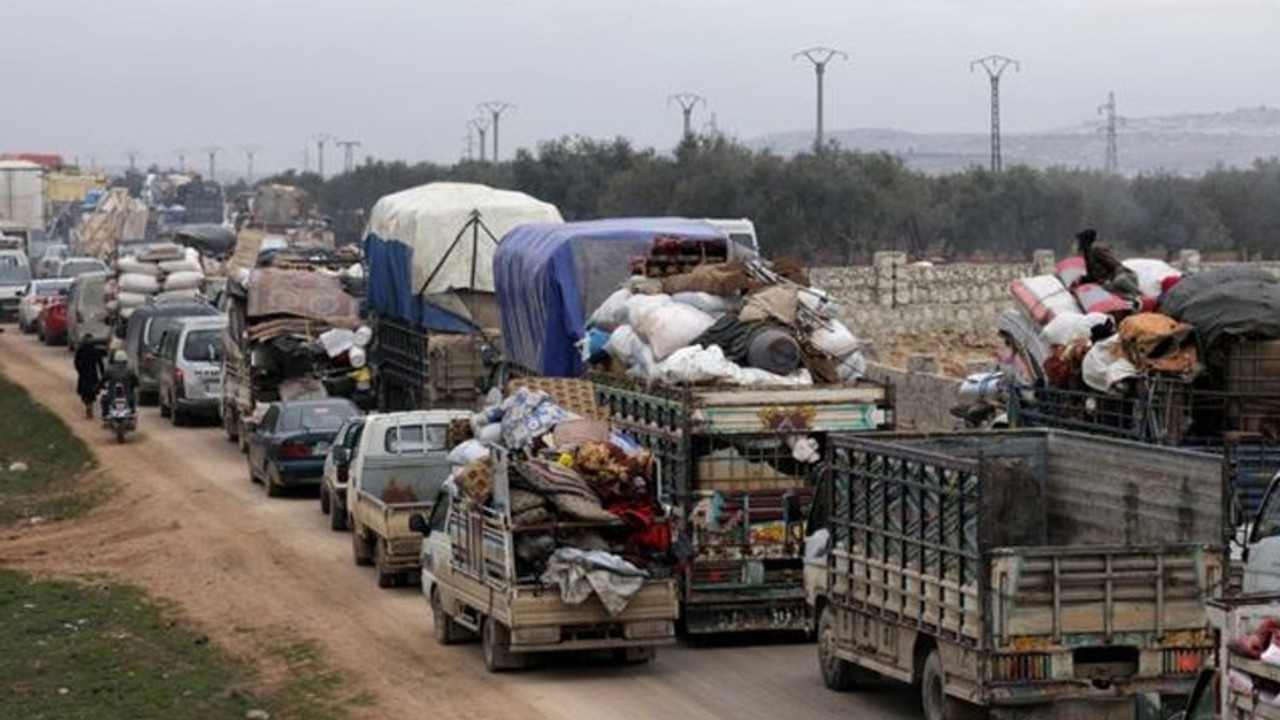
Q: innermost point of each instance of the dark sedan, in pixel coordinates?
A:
(288, 448)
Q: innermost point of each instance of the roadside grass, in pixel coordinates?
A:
(92, 649)
(53, 486)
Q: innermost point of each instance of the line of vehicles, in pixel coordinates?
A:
(1023, 572)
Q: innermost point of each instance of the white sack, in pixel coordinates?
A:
(639, 305)
(1105, 365)
(707, 302)
(612, 312)
(186, 280)
(467, 452)
(1150, 273)
(835, 341)
(696, 364)
(138, 283)
(171, 295)
(185, 265)
(625, 345)
(671, 326)
(336, 341)
(1067, 329)
(852, 367)
(132, 265)
(131, 300)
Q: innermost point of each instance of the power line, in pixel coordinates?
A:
(348, 153)
(995, 66)
(481, 125)
(1109, 111)
(213, 161)
(687, 101)
(819, 56)
(249, 151)
(495, 109)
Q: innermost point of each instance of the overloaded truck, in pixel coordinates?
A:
(737, 446)
(22, 212)
(429, 256)
(294, 331)
(1039, 571)
(501, 565)
(398, 469)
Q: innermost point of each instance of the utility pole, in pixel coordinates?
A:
(995, 66)
(1109, 111)
(249, 151)
(687, 101)
(481, 124)
(133, 160)
(213, 161)
(182, 161)
(495, 109)
(348, 153)
(819, 56)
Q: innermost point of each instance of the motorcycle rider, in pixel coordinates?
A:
(119, 372)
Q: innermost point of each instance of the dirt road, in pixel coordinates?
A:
(188, 525)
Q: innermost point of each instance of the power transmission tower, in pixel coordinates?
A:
(249, 151)
(348, 153)
(495, 109)
(995, 66)
(471, 144)
(1109, 111)
(321, 139)
(819, 56)
(687, 101)
(133, 156)
(481, 124)
(213, 161)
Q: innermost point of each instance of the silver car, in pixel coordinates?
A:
(189, 366)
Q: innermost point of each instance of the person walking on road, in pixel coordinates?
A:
(89, 372)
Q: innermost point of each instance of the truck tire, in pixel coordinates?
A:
(360, 548)
(324, 500)
(495, 639)
(386, 578)
(935, 702)
(837, 674)
(338, 520)
(164, 409)
(447, 631)
(229, 425)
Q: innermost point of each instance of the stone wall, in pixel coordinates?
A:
(892, 297)
(922, 400)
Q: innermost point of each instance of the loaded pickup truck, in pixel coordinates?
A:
(1019, 571)
(399, 466)
(477, 585)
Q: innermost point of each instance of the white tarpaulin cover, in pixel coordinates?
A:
(429, 219)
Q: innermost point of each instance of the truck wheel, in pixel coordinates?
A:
(937, 705)
(164, 409)
(837, 674)
(360, 548)
(495, 639)
(178, 417)
(338, 519)
(324, 500)
(386, 578)
(229, 425)
(447, 631)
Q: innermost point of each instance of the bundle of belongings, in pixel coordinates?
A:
(162, 272)
(1214, 330)
(580, 497)
(731, 322)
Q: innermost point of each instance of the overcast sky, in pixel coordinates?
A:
(101, 76)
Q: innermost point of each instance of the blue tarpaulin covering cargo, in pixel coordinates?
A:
(549, 278)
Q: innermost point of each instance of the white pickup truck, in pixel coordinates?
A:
(399, 467)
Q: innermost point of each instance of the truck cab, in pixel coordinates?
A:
(742, 233)
(1260, 551)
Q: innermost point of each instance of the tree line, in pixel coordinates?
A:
(837, 206)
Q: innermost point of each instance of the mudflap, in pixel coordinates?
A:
(710, 619)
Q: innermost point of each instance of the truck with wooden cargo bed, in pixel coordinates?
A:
(728, 454)
(1020, 571)
(429, 259)
(477, 586)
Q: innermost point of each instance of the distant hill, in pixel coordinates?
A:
(1187, 144)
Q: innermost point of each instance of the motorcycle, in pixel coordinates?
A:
(119, 415)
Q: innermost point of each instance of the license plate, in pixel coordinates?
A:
(321, 448)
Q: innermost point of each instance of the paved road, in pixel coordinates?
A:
(188, 524)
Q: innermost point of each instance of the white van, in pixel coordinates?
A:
(15, 273)
(87, 310)
(743, 234)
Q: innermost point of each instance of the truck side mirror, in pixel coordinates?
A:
(342, 455)
(418, 524)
